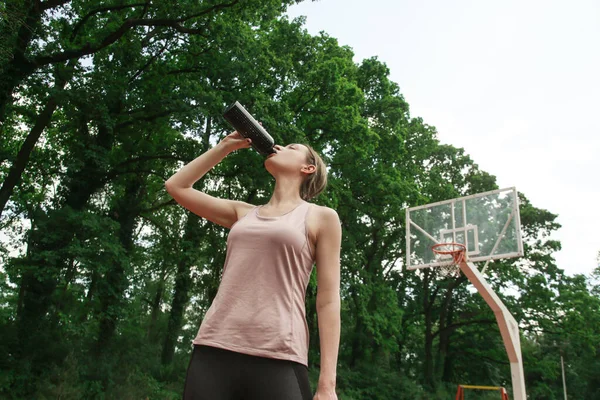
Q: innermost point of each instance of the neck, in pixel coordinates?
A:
(287, 192)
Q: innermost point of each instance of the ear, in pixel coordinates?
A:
(308, 169)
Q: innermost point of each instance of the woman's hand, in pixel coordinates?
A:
(235, 141)
(325, 394)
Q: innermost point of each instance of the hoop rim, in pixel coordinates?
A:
(458, 254)
(460, 248)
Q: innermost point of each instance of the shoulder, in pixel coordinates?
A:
(325, 212)
(323, 217)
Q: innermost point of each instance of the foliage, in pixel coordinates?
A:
(104, 280)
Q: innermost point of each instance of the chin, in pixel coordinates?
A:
(268, 166)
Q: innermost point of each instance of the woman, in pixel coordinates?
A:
(253, 340)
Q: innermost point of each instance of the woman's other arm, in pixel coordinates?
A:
(328, 298)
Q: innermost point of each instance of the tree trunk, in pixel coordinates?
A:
(444, 334)
(155, 307)
(50, 234)
(23, 17)
(89, 298)
(428, 301)
(428, 364)
(183, 283)
(112, 287)
(358, 346)
(16, 170)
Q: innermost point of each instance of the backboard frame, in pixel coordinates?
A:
(473, 254)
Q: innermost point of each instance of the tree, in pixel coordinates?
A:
(113, 278)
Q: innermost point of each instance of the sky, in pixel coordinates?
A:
(514, 83)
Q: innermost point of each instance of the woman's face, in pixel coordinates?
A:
(290, 158)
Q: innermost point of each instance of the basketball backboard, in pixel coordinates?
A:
(487, 224)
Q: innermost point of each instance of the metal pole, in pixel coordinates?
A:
(562, 364)
(509, 329)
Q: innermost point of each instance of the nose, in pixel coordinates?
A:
(278, 147)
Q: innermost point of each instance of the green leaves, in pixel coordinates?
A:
(111, 267)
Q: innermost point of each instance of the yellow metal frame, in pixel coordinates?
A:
(460, 393)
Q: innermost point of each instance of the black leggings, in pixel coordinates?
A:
(218, 374)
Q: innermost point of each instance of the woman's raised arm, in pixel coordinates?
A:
(220, 211)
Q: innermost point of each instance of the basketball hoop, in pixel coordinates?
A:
(455, 250)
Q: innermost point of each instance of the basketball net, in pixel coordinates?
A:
(456, 251)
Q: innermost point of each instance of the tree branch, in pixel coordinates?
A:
(116, 173)
(311, 98)
(431, 298)
(42, 121)
(100, 10)
(88, 48)
(149, 62)
(146, 40)
(46, 5)
(459, 324)
(159, 206)
(148, 158)
(208, 10)
(146, 118)
(160, 227)
(537, 330)
(186, 71)
(484, 357)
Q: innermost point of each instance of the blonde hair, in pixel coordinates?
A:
(316, 182)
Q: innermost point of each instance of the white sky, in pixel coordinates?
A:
(515, 83)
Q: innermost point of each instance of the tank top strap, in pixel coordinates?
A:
(306, 209)
(299, 213)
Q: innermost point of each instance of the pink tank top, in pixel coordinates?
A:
(259, 308)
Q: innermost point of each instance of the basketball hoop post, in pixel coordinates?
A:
(509, 328)
(451, 235)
